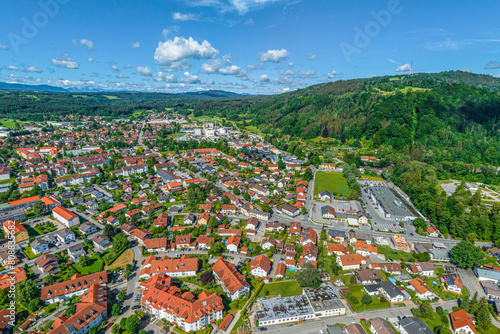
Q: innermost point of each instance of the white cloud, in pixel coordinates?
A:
(393, 61)
(291, 63)
(3, 47)
(183, 17)
(233, 70)
(215, 66)
(224, 6)
(136, 45)
(12, 68)
(33, 69)
(313, 56)
(332, 74)
(171, 78)
(85, 42)
(190, 79)
(308, 74)
(144, 70)
(179, 49)
(274, 55)
(403, 68)
(287, 72)
(492, 65)
(115, 68)
(90, 60)
(211, 66)
(467, 70)
(264, 78)
(251, 67)
(122, 76)
(65, 61)
(497, 76)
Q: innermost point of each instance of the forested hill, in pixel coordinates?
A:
(38, 105)
(420, 114)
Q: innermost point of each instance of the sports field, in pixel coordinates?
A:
(333, 182)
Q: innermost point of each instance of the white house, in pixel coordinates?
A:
(66, 217)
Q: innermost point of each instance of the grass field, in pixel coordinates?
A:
(29, 253)
(333, 182)
(358, 292)
(121, 262)
(387, 251)
(372, 178)
(84, 96)
(285, 289)
(111, 97)
(95, 266)
(9, 123)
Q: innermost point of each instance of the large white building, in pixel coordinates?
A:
(66, 217)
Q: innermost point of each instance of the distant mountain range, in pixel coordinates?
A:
(53, 89)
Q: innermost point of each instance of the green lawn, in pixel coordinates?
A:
(9, 123)
(333, 182)
(372, 178)
(111, 97)
(285, 289)
(29, 253)
(387, 251)
(96, 265)
(7, 180)
(358, 292)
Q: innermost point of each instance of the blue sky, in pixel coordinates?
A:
(245, 46)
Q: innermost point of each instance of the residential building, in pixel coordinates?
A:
(15, 228)
(74, 287)
(351, 261)
(182, 267)
(65, 236)
(421, 290)
(380, 326)
(231, 280)
(66, 217)
(462, 322)
(391, 292)
(164, 301)
(412, 325)
(260, 266)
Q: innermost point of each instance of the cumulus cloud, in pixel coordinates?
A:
(144, 70)
(211, 66)
(64, 61)
(332, 74)
(90, 60)
(274, 55)
(122, 76)
(313, 56)
(136, 45)
(85, 42)
(404, 68)
(287, 72)
(190, 78)
(33, 69)
(176, 52)
(215, 66)
(183, 17)
(115, 68)
(308, 74)
(12, 68)
(3, 47)
(264, 78)
(233, 70)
